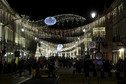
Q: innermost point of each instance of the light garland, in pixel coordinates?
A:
(39, 29)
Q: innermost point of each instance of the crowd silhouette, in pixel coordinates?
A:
(54, 63)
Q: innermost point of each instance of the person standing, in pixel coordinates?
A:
(29, 67)
(34, 69)
(20, 67)
(124, 68)
(51, 69)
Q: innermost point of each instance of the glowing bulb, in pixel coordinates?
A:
(121, 50)
(35, 38)
(84, 30)
(22, 29)
(93, 15)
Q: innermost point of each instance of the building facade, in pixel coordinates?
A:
(105, 33)
(119, 28)
(17, 32)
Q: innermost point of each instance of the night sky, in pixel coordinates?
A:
(40, 9)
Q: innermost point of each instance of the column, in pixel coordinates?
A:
(77, 51)
(0, 40)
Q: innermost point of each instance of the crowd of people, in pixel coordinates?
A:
(13, 68)
(55, 63)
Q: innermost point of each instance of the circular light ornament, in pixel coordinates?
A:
(59, 47)
(50, 21)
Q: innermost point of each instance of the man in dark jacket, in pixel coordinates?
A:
(51, 68)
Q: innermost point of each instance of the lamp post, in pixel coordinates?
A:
(23, 53)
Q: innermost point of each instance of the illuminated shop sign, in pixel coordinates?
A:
(50, 21)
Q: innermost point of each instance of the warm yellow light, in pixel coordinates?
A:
(35, 38)
(83, 30)
(22, 29)
(120, 56)
(121, 50)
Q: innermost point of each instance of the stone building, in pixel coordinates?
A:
(17, 32)
(22, 34)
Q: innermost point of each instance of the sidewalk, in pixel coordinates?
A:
(6, 79)
(17, 79)
(81, 79)
(99, 80)
(14, 78)
(67, 77)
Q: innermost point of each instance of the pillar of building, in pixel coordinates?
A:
(65, 54)
(0, 40)
(109, 34)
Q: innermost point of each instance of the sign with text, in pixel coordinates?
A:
(50, 21)
(92, 44)
(99, 55)
(59, 47)
(99, 39)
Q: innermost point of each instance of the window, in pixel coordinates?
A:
(115, 12)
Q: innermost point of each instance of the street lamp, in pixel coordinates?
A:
(23, 53)
(84, 30)
(78, 38)
(93, 14)
(22, 29)
(35, 38)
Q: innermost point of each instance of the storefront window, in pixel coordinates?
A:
(121, 53)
